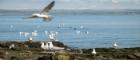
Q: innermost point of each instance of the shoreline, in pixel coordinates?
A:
(39, 42)
(31, 51)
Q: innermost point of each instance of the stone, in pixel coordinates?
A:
(131, 57)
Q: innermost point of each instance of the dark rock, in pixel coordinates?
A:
(72, 57)
(33, 44)
(2, 55)
(48, 57)
(137, 55)
(14, 58)
(131, 57)
(58, 44)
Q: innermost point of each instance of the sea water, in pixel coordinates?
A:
(77, 30)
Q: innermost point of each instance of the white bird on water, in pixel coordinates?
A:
(44, 13)
(30, 38)
(35, 33)
(24, 33)
(81, 27)
(46, 32)
(86, 32)
(115, 45)
(53, 36)
(61, 25)
(20, 33)
(78, 32)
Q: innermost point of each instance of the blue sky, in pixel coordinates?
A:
(71, 4)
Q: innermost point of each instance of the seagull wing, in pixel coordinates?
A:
(48, 8)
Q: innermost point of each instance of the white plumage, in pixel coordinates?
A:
(94, 51)
(50, 46)
(44, 13)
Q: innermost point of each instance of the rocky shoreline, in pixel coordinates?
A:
(31, 51)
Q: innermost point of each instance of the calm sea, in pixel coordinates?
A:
(78, 30)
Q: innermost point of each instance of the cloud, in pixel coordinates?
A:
(115, 1)
(137, 1)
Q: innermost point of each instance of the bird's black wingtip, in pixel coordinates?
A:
(53, 1)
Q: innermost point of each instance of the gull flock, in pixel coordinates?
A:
(44, 14)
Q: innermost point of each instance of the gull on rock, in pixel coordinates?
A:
(43, 46)
(94, 51)
(50, 46)
(12, 46)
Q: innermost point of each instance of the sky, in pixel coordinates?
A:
(70, 4)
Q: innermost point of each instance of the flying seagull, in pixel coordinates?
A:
(44, 13)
